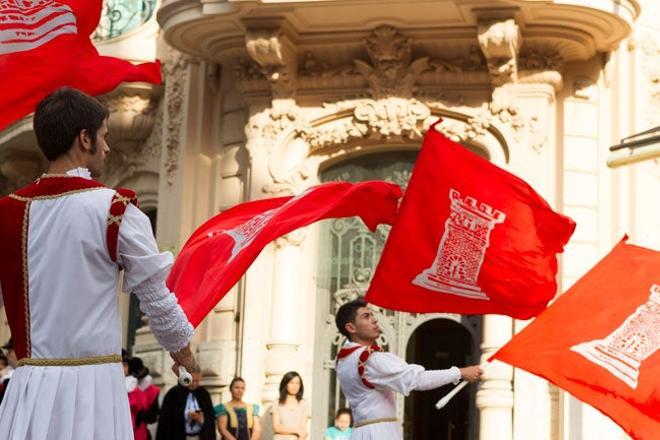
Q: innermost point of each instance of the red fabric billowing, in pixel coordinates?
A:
(204, 270)
(505, 267)
(611, 312)
(45, 44)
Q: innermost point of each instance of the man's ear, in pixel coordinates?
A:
(350, 328)
(85, 140)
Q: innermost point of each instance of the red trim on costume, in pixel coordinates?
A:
(362, 361)
(12, 273)
(118, 207)
(54, 186)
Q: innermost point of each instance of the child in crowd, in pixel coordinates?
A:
(342, 429)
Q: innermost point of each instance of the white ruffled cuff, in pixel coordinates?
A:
(168, 323)
(432, 379)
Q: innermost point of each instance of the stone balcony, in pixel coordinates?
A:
(215, 29)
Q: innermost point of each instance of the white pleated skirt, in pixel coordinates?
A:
(378, 431)
(66, 403)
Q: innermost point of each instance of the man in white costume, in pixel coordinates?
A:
(65, 239)
(369, 377)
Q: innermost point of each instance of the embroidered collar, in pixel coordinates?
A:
(73, 172)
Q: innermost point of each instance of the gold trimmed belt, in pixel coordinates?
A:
(372, 421)
(70, 362)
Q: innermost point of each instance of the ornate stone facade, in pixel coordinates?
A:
(262, 99)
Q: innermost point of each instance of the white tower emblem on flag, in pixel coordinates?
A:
(623, 351)
(462, 248)
(245, 233)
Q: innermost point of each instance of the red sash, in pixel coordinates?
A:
(362, 361)
(14, 222)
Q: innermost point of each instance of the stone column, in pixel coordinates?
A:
(285, 326)
(523, 99)
(500, 40)
(495, 395)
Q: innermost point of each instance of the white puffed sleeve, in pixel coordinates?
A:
(145, 271)
(389, 371)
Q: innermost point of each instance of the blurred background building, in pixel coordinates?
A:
(265, 98)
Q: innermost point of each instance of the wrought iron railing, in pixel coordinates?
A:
(122, 16)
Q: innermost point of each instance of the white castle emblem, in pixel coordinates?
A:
(245, 233)
(462, 248)
(26, 25)
(623, 351)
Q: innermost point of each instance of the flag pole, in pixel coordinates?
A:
(450, 395)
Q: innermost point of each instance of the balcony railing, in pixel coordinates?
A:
(122, 16)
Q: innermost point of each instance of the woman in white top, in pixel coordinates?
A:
(290, 411)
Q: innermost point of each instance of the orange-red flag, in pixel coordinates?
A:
(599, 341)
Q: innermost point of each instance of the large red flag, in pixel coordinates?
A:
(470, 238)
(600, 340)
(45, 44)
(219, 252)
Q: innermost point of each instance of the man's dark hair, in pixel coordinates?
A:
(285, 381)
(61, 116)
(347, 313)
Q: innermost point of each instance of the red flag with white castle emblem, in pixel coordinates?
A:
(470, 238)
(45, 44)
(220, 251)
(600, 340)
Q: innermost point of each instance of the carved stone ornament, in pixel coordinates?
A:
(312, 66)
(295, 181)
(381, 119)
(132, 115)
(500, 42)
(473, 62)
(176, 74)
(276, 57)
(391, 72)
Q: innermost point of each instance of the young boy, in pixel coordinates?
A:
(342, 429)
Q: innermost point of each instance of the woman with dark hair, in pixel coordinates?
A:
(238, 420)
(290, 411)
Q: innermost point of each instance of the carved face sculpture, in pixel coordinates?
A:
(389, 52)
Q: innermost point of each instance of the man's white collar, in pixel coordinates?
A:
(79, 172)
